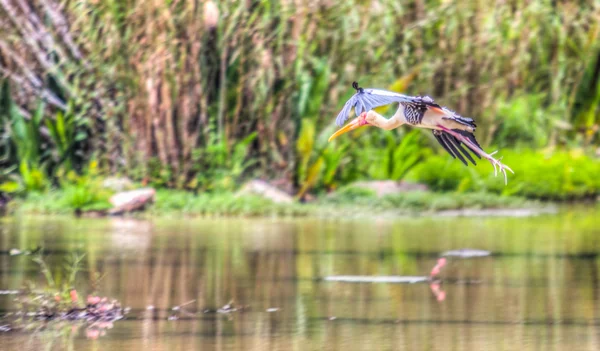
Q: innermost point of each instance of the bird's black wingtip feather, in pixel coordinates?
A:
(448, 141)
(459, 147)
(471, 138)
(454, 147)
(443, 143)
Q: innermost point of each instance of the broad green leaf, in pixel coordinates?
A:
(10, 187)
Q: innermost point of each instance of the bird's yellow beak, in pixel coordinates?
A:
(357, 122)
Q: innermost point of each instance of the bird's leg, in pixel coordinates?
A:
(435, 271)
(495, 162)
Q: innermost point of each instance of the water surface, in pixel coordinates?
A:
(539, 290)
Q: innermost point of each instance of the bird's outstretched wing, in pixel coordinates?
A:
(366, 99)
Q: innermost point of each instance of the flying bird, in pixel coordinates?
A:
(450, 129)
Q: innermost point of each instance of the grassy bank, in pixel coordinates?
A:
(550, 175)
(348, 201)
(540, 175)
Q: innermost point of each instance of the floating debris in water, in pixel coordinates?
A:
(466, 253)
(273, 309)
(178, 307)
(50, 306)
(377, 279)
(9, 292)
(57, 309)
(228, 308)
(63, 310)
(179, 310)
(18, 252)
(92, 300)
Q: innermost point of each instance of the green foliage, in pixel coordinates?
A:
(351, 195)
(332, 161)
(310, 160)
(524, 120)
(23, 147)
(85, 192)
(305, 146)
(585, 99)
(396, 159)
(48, 202)
(26, 136)
(219, 168)
(10, 187)
(65, 135)
(441, 173)
(84, 197)
(418, 201)
(159, 175)
(313, 82)
(37, 160)
(31, 178)
(78, 193)
(340, 203)
(317, 161)
(62, 283)
(548, 175)
(220, 204)
(440, 202)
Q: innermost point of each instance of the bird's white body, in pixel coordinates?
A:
(429, 120)
(438, 120)
(432, 119)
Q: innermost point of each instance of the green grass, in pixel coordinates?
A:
(546, 175)
(49, 202)
(180, 203)
(55, 201)
(542, 175)
(221, 204)
(420, 201)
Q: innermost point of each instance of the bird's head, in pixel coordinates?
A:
(362, 120)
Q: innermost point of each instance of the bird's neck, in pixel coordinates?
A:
(399, 115)
(388, 124)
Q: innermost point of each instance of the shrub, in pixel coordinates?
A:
(548, 175)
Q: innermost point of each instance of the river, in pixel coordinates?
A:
(538, 290)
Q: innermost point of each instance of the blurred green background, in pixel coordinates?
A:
(202, 95)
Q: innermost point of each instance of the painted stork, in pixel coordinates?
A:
(451, 130)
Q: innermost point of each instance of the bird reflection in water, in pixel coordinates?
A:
(435, 284)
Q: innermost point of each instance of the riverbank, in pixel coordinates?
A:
(349, 201)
